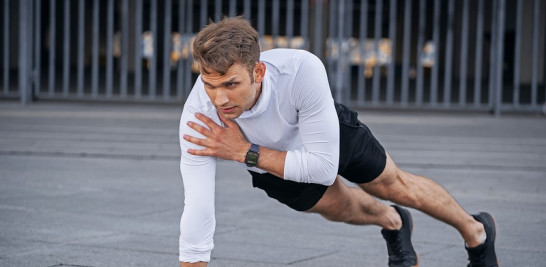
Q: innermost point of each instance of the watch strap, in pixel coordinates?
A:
(254, 147)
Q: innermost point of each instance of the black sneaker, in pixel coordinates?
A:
(401, 252)
(484, 255)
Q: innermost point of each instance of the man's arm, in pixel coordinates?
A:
(198, 222)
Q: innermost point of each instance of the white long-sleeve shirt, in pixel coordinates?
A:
(294, 113)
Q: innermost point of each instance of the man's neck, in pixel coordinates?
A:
(258, 94)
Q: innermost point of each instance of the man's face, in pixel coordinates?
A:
(234, 93)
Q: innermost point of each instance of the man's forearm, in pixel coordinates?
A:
(272, 161)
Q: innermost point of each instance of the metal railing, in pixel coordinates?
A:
(420, 54)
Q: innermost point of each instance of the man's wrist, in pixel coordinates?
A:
(246, 147)
(252, 155)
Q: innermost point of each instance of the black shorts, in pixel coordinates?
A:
(361, 160)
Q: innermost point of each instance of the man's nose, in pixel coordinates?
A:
(221, 98)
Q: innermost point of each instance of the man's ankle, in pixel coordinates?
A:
(477, 236)
(393, 221)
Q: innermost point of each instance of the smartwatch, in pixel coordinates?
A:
(252, 156)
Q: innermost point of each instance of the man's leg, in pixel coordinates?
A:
(427, 196)
(354, 206)
(351, 205)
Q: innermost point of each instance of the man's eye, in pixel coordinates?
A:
(232, 84)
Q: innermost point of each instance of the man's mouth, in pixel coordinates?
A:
(228, 110)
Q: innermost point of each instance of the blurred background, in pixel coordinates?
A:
(482, 55)
(91, 93)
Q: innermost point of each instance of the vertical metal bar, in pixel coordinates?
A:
(153, 61)
(38, 47)
(124, 47)
(543, 74)
(95, 51)
(167, 44)
(436, 66)
(189, 29)
(275, 22)
(248, 9)
(500, 51)
(392, 64)
(341, 55)
(29, 32)
(464, 55)
(332, 20)
(289, 21)
(52, 47)
(478, 57)
(79, 77)
(406, 54)
(204, 10)
(109, 44)
(232, 8)
(449, 53)
(261, 18)
(23, 45)
(420, 44)
(534, 63)
(517, 54)
(305, 20)
(318, 28)
(363, 32)
(181, 63)
(492, 55)
(6, 48)
(138, 49)
(377, 33)
(218, 9)
(66, 47)
(348, 25)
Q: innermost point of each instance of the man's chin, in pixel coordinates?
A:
(231, 116)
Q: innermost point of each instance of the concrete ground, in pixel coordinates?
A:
(98, 185)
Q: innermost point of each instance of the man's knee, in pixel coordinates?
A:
(391, 184)
(340, 213)
(336, 204)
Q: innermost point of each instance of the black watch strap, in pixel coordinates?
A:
(252, 156)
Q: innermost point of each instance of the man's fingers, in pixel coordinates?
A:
(196, 152)
(200, 129)
(206, 120)
(195, 140)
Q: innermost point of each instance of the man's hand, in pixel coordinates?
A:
(221, 142)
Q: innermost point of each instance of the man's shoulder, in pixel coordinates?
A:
(198, 101)
(284, 59)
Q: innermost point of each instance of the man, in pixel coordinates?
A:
(274, 113)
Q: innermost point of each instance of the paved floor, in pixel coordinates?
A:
(99, 185)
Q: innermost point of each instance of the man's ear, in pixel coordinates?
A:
(259, 72)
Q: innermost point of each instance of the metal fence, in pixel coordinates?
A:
(417, 54)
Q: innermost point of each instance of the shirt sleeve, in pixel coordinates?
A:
(198, 222)
(317, 162)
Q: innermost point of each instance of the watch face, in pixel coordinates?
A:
(251, 158)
